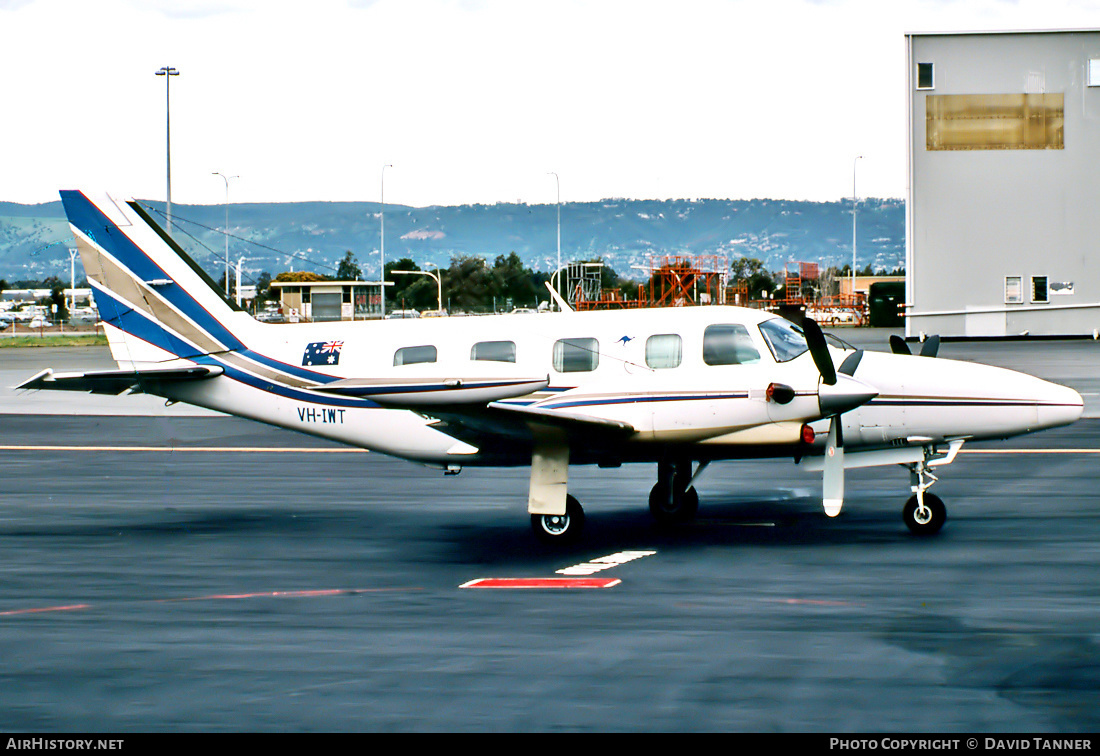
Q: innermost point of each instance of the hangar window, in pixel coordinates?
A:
(413, 355)
(1039, 289)
(995, 121)
(576, 355)
(728, 344)
(1014, 290)
(663, 350)
(926, 76)
(1094, 72)
(494, 351)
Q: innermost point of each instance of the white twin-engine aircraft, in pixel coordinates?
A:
(675, 387)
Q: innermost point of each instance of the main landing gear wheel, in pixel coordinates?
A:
(924, 521)
(669, 503)
(564, 528)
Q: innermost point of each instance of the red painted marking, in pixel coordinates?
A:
(563, 582)
(70, 608)
(219, 597)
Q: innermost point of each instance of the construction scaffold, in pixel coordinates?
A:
(802, 287)
(686, 280)
(675, 281)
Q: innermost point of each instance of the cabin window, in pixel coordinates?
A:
(413, 355)
(576, 355)
(663, 350)
(728, 344)
(1014, 290)
(784, 338)
(494, 351)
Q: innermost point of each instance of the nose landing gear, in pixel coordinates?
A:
(924, 513)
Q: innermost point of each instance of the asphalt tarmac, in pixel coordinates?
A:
(167, 573)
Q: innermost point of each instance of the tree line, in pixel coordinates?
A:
(469, 283)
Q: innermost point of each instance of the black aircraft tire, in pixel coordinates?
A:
(667, 508)
(925, 526)
(560, 528)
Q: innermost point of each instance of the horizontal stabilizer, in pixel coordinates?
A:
(428, 391)
(116, 382)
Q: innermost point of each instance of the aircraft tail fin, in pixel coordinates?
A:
(157, 305)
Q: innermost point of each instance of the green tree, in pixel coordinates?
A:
(349, 270)
(471, 284)
(751, 271)
(409, 292)
(514, 281)
(56, 300)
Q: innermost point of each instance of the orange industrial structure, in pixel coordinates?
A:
(675, 281)
(684, 280)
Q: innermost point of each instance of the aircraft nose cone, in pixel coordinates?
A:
(846, 394)
(1058, 405)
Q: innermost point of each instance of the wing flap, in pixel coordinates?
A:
(425, 392)
(564, 420)
(114, 382)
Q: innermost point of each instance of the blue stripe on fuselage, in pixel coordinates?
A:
(138, 324)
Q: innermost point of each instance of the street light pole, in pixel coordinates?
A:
(854, 200)
(382, 246)
(557, 183)
(168, 72)
(438, 280)
(72, 280)
(225, 231)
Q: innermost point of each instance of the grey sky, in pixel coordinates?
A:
(471, 100)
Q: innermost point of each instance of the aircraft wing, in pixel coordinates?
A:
(567, 421)
(422, 392)
(114, 382)
(503, 427)
(472, 408)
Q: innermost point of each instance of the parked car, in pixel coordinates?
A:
(399, 314)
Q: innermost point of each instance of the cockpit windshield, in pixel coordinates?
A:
(784, 338)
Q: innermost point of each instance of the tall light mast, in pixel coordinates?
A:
(168, 72)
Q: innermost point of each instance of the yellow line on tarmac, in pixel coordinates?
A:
(1029, 451)
(353, 450)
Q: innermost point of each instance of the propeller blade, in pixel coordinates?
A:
(930, 347)
(832, 479)
(819, 350)
(851, 362)
(898, 345)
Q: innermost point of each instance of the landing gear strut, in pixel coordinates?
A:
(924, 514)
(673, 499)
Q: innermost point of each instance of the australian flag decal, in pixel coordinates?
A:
(322, 353)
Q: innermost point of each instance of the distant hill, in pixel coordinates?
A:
(34, 239)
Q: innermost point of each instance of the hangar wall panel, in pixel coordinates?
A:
(1004, 184)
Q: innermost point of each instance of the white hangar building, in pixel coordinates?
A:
(1003, 213)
